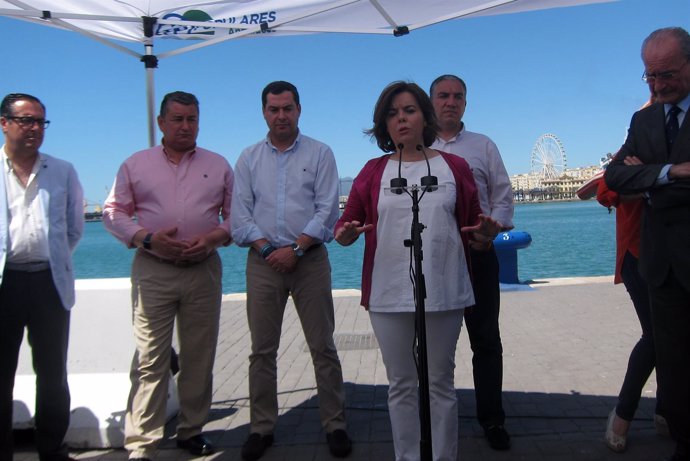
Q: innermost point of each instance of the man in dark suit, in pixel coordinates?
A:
(655, 160)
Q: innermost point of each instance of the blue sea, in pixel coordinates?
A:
(569, 239)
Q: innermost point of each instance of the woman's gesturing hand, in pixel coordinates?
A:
(350, 231)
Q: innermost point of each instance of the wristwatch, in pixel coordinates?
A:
(298, 251)
(146, 243)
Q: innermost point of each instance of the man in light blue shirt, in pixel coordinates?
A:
(284, 207)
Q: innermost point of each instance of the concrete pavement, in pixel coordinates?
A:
(566, 345)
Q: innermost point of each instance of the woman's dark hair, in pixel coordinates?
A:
(380, 129)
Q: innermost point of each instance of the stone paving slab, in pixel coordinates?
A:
(566, 345)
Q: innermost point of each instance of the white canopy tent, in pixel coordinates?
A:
(120, 23)
(134, 26)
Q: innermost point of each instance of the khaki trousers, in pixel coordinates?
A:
(267, 293)
(161, 294)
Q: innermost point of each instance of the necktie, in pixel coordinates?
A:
(672, 126)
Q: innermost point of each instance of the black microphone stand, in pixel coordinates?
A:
(415, 242)
(429, 183)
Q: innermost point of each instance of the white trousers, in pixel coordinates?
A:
(395, 334)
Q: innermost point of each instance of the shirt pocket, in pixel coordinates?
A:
(305, 176)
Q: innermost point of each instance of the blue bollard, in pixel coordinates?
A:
(507, 244)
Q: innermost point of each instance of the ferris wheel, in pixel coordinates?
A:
(548, 157)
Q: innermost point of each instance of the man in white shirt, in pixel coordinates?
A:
(41, 221)
(448, 95)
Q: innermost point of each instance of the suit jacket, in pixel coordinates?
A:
(62, 202)
(665, 241)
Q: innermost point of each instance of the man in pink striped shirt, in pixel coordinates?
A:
(177, 191)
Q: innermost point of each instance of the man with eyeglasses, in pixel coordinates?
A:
(655, 161)
(41, 222)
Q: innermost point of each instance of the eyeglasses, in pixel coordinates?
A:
(27, 122)
(662, 76)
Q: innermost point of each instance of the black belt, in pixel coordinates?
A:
(37, 266)
(313, 247)
(172, 262)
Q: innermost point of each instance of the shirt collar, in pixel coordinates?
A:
(7, 163)
(291, 148)
(189, 153)
(457, 136)
(684, 104)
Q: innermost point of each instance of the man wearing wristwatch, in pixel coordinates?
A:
(285, 204)
(177, 191)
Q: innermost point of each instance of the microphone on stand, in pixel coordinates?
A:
(399, 184)
(428, 182)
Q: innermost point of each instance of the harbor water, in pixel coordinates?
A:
(569, 239)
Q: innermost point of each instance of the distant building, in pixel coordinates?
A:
(532, 187)
(345, 184)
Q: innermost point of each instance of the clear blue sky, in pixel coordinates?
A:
(574, 72)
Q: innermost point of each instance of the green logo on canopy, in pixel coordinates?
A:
(199, 16)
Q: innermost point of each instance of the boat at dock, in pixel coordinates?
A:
(93, 216)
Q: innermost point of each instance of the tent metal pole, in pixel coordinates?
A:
(150, 97)
(150, 63)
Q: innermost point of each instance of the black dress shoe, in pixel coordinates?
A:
(197, 445)
(682, 453)
(255, 445)
(139, 459)
(498, 437)
(61, 454)
(339, 443)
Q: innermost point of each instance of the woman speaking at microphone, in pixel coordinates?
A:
(404, 128)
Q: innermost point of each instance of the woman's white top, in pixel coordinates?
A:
(444, 266)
